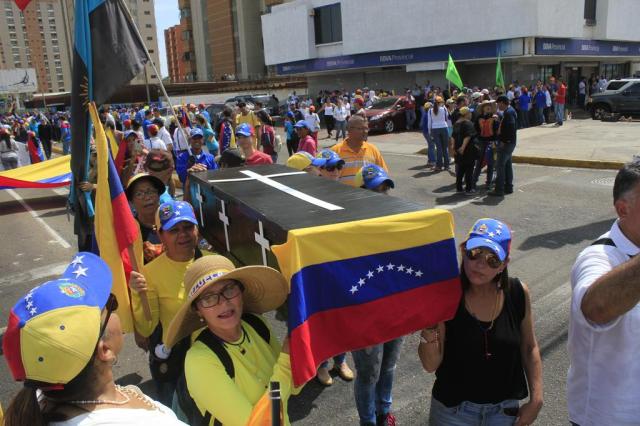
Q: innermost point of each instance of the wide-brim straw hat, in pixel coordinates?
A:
(265, 289)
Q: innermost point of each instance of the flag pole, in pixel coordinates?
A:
(155, 70)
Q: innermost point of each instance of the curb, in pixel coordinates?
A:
(560, 162)
(176, 179)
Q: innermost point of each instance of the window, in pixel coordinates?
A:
(148, 26)
(327, 21)
(149, 38)
(614, 71)
(635, 89)
(185, 12)
(546, 72)
(147, 12)
(186, 35)
(590, 12)
(616, 85)
(151, 50)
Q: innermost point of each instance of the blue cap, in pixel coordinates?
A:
(243, 130)
(290, 114)
(373, 176)
(491, 234)
(318, 161)
(129, 133)
(301, 124)
(196, 132)
(331, 158)
(172, 212)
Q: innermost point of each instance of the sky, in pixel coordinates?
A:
(167, 15)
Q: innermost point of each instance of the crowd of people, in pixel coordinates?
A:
(211, 352)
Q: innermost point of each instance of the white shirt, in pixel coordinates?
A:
(155, 143)
(582, 88)
(313, 121)
(179, 140)
(439, 120)
(547, 97)
(328, 110)
(603, 383)
(163, 416)
(165, 136)
(340, 113)
(510, 95)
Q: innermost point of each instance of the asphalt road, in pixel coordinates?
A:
(554, 213)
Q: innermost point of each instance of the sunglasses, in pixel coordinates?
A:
(492, 260)
(212, 299)
(332, 168)
(110, 306)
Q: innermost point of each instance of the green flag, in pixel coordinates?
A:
(499, 75)
(452, 74)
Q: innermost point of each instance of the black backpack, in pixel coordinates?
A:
(186, 403)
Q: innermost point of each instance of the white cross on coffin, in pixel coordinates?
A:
(225, 222)
(199, 198)
(284, 188)
(264, 243)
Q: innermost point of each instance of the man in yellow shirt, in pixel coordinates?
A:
(247, 116)
(356, 151)
(162, 280)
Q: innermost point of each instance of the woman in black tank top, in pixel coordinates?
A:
(487, 354)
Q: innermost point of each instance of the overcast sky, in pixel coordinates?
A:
(167, 15)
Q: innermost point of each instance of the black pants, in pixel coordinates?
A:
(46, 146)
(329, 122)
(292, 146)
(464, 172)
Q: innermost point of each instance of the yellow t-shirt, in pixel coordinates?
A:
(231, 401)
(250, 119)
(166, 294)
(354, 161)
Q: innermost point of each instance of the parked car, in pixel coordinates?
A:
(620, 96)
(268, 102)
(387, 114)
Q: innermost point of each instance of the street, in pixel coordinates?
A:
(554, 213)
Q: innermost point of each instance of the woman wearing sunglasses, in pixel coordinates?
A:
(62, 339)
(221, 314)
(486, 358)
(333, 164)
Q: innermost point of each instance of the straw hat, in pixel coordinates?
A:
(264, 290)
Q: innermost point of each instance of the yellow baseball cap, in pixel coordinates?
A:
(301, 160)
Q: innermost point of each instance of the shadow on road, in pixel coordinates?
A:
(41, 203)
(301, 405)
(557, 239)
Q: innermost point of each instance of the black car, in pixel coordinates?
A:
(267, 101)
(215, 112)
(620, 97)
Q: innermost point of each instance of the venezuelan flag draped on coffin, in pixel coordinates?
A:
(364, 268)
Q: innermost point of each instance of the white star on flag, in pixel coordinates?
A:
(29, 304)
(361, 281)
(80, 272)
(390, 266)
(401, 268)
(77, 260)
(28, 296)
(354, 289)
(380, 268)
(418, 274)
(370, 274)
(491, 234)
(33, 311)
(498, 231)
(409, 271)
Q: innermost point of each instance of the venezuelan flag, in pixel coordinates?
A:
(362, 283)
(47, 174)
(116, 229)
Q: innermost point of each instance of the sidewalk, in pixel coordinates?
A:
(578, 143)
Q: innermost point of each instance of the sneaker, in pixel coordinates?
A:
(324, 377)
(508, 191)
(386, 420)
(344, 372)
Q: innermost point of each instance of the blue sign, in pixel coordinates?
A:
(570, 46)
(466, 51)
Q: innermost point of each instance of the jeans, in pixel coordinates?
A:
(431, 148)
(375, 366)
(337, 360)
(486, 157)
(410, 116)
(558, 109)
(524, 119)
(471, 414)
(504, 167)
(440, 138)
(540, 115)
(341, 128)
(66, 145)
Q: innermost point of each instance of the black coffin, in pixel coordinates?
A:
(258, 206)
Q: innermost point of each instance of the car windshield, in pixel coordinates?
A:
(616, 85)
(384, 103)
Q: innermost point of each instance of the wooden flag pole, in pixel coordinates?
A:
(143, 294)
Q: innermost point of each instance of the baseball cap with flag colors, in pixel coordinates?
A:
(491, 234)
(172, 212)
(54, 329)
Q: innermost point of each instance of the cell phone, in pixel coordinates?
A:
(511, 411)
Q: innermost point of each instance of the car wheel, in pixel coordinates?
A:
(389, 127)
(599, 111)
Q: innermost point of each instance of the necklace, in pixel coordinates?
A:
(485, 330)
(119, 389)
(245, 337)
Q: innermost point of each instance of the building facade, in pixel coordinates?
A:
(175, 49)
(396, 44)
(41, 37)
(225, 37)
